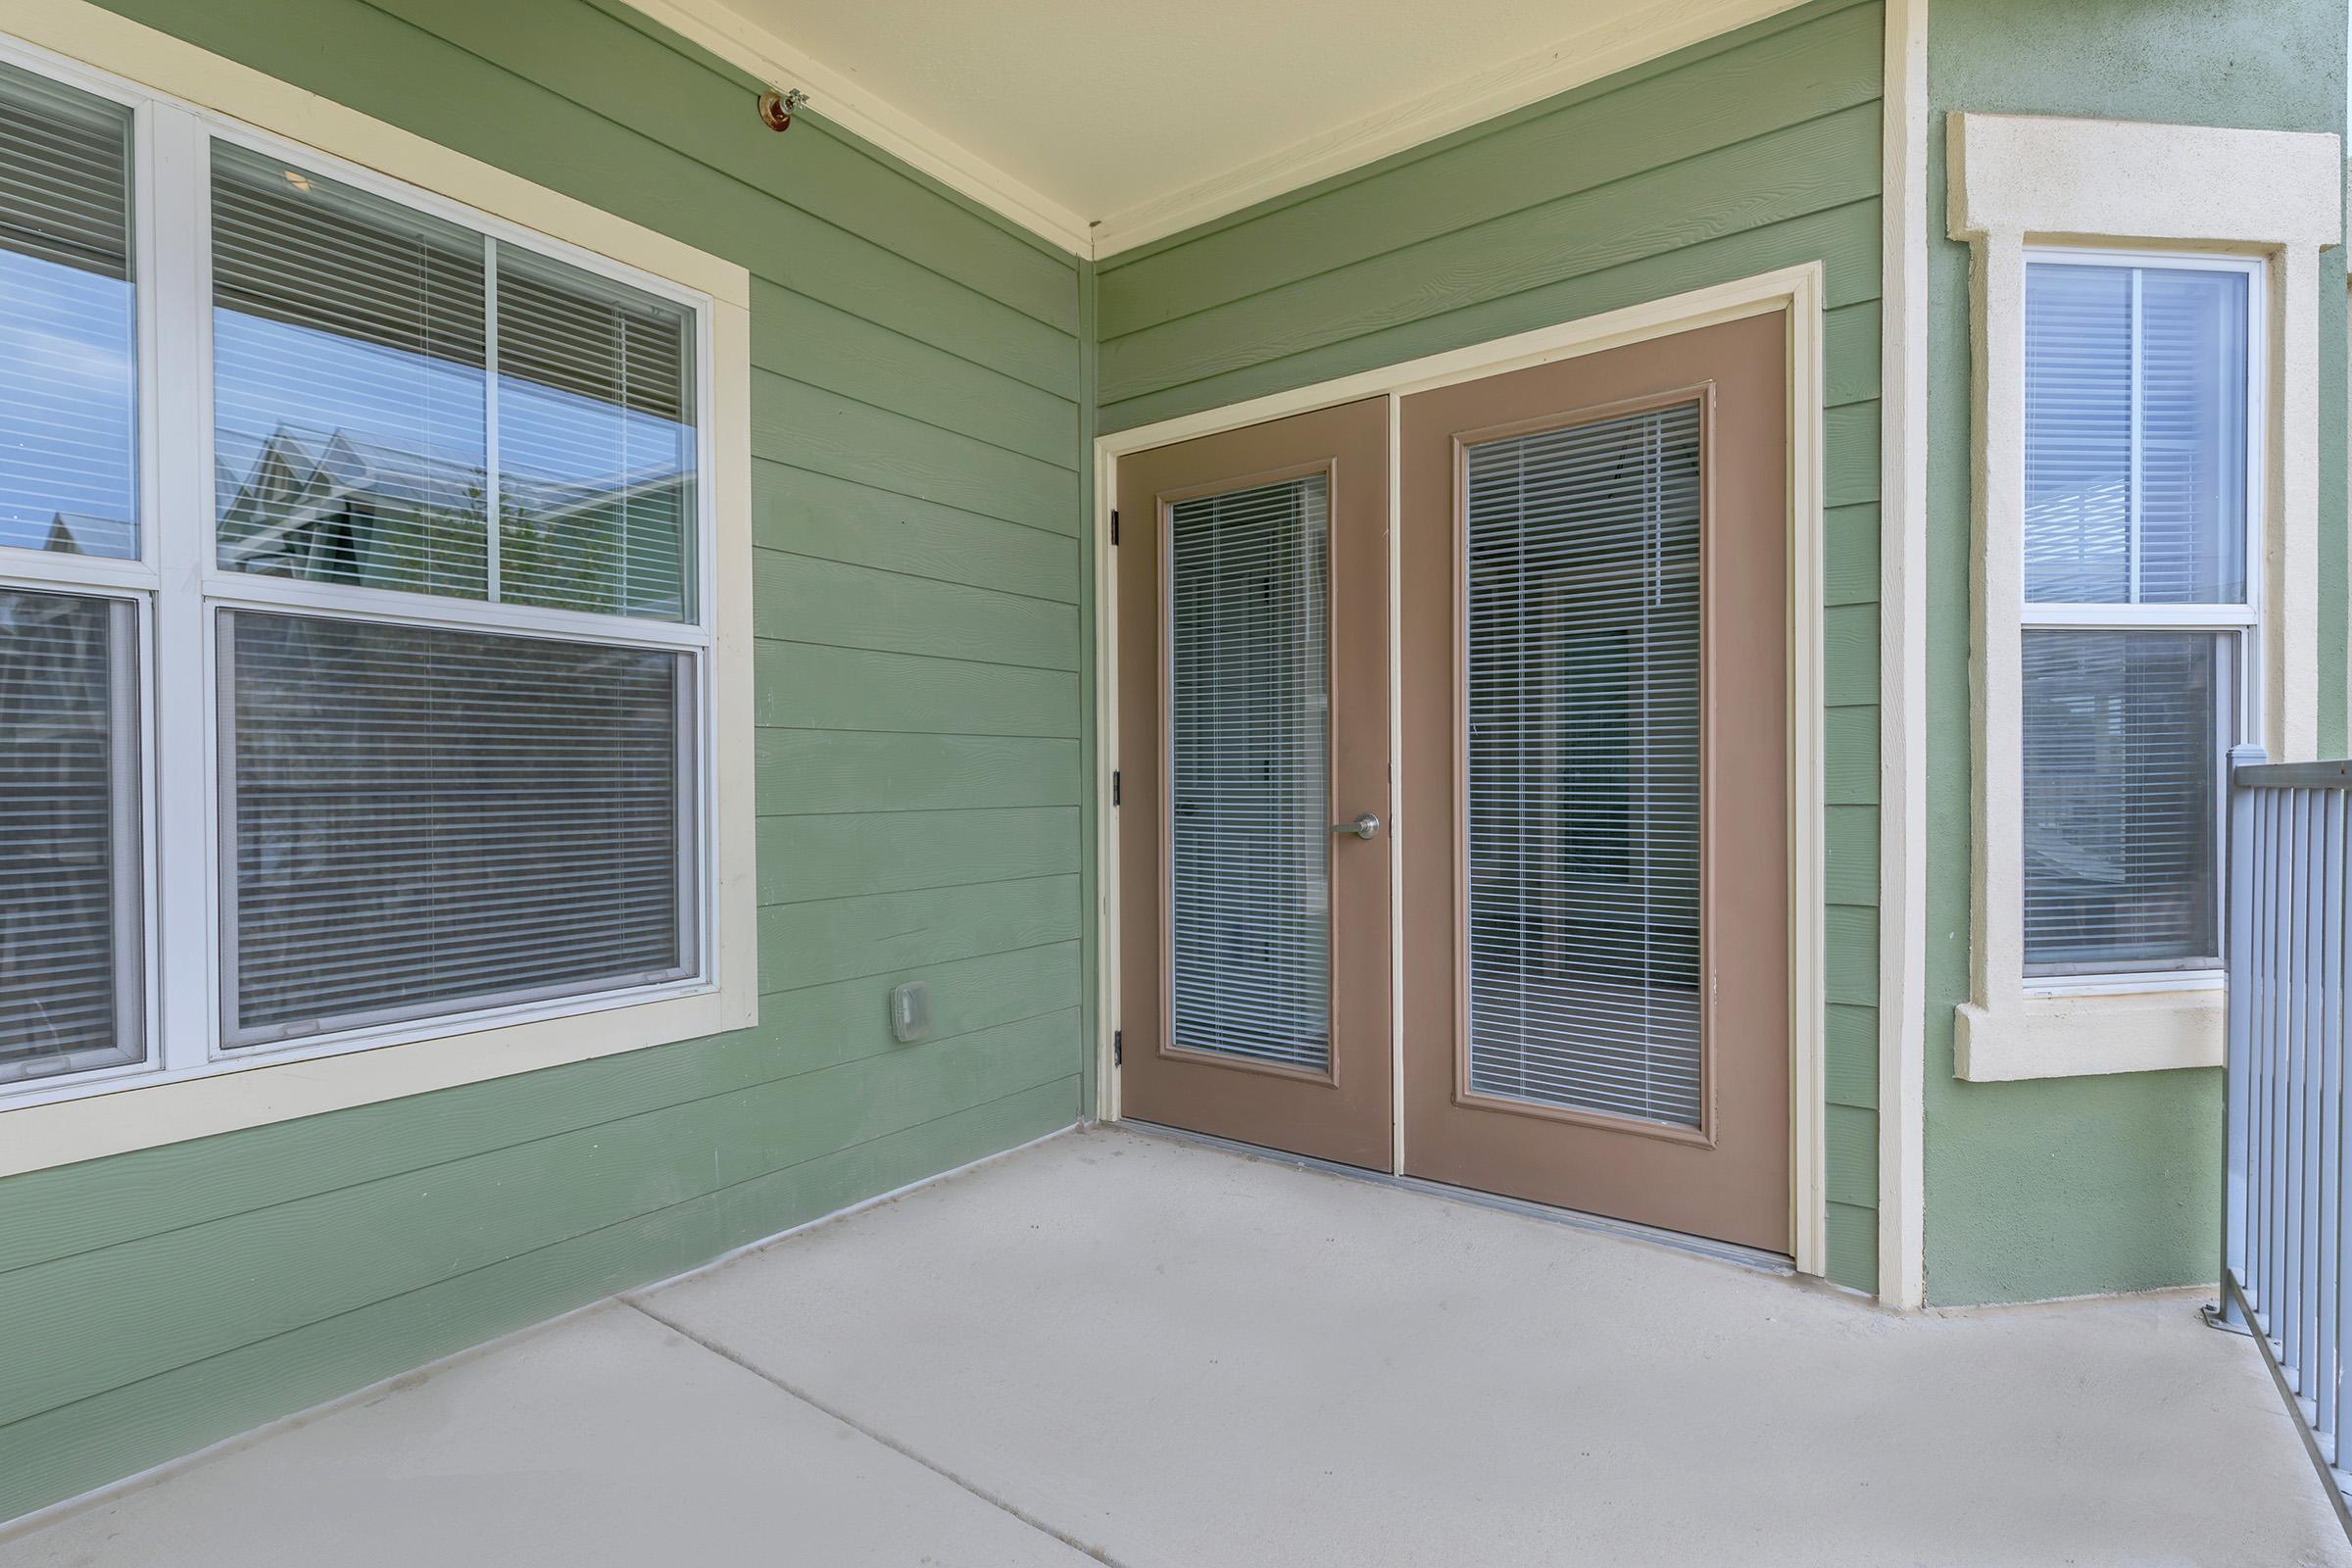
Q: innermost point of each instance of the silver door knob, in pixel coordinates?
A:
(1363, 827)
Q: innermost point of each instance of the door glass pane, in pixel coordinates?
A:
(70, 864)
(1583, 806)
(2135, 435)
(2123, 757)
(69, 361)
(1249, 842)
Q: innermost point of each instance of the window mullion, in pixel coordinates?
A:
(182, 513)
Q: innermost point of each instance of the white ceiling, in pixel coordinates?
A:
(1105, 122)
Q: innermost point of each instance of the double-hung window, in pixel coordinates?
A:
(2142, 604)
(355, 630)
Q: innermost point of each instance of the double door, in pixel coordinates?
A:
(1453, 835)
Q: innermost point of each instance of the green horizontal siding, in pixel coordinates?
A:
(917, 413)
(1750, 151)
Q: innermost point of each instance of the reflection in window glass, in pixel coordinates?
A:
(2135, 435)
(595, 443)
(2121, 780)
(69, 373)
(350, 426)
(70, 866)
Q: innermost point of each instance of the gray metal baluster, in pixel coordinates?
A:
(2258, 1148)
(2328, 1372)
(2274, 1001)
(2236, 1100)
(2303, 1171)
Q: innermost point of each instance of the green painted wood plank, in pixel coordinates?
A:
(1850, 759)
(1852, 1056)
(1851, 353)
(1711, 103)
(804, 772)
(626, 76)
(1849, 566)
(1806, 169)
(839, 939)
(814, 514)
(806, 857)
(813, 686)
(848, 1020)
(798, 599)
(114, 1316)
(476, 108)
(1852, 1138)
(810, 427)
(1849, 457)
(1852, 840)
(824, 346)
(1850, 639)
(74, 1448)
(1851, 954)
(52, 1214)
(1845, 239)
(1854, 1247)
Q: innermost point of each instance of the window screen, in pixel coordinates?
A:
(1584, 779)
(71, 872)
(423, 821)
(70, 396)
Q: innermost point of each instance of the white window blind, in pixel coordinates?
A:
(2137, 432)
(349, 384)
(426, 822)
(2135, 435)
(68, 397)
(595, 443)
(1249, 842)
(71, 872)
(2122, 799)
(1584, 776)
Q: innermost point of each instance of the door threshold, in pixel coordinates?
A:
(1747, 1257)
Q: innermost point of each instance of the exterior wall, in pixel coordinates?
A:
(1749, 152)
(2068, 1186)
(917, 444)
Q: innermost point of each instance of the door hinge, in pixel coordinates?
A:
(1115, 786)
(1115, 525)
(1118, 1047)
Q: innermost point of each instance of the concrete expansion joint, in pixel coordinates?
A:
(993, 1498)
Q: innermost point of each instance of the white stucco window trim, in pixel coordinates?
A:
(84, 44)
(2023, 181)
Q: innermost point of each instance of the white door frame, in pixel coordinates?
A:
(1797, 290)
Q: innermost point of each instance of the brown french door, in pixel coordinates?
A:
(1595, 717)
(1591, 574)
(1253, 757)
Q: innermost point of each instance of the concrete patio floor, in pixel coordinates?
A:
(1118, 1347)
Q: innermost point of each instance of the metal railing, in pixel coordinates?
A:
(2286, 1226)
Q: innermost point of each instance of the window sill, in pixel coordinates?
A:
(2091, 1032)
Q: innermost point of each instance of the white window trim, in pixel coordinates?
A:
(186, 1089)
(2020, 182)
